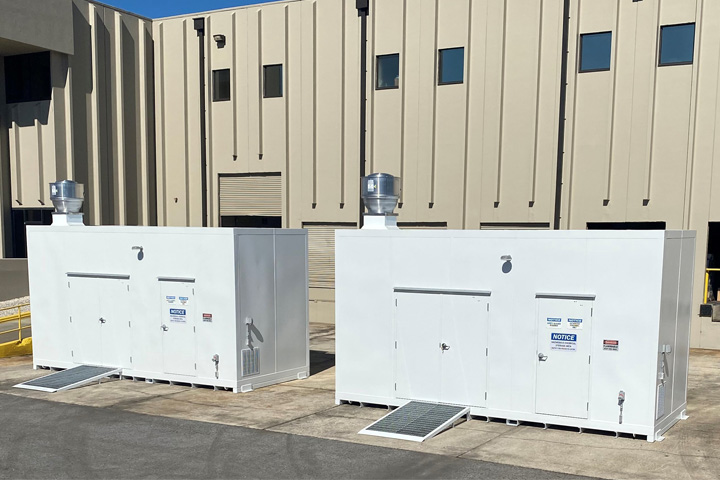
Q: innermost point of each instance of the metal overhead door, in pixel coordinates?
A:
(321, 253)
(563, 356)
(251, 195)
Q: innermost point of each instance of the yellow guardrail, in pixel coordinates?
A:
(707, 281)
(20, 346)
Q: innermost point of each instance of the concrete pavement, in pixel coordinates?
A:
(55, 440)
(307, 408)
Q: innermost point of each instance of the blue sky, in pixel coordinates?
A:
(166, 8)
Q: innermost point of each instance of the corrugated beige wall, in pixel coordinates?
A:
(98, 127)
(309, 135)
(641, 139)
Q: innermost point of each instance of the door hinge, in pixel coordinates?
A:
(591, 311)
(587, 406)
(395, 344)
(193, 329)
(128, 323)
(70, 318)
(68, 284)
(396, 302)
(488, 307)
(196, 366)
(128, 287)
(588, 359)
(486, 351)
(130, 359)
(485, 395)
(396, 387)
(72, 353)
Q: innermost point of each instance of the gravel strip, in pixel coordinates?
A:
(6, 307)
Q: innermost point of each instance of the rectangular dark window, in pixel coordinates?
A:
(273, 84)
(388, 71)
(27, 78)
(451, 66)
(677, 43)
(221, 85)
(595, 51)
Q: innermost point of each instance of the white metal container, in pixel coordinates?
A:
(555, 327)
(209, 306)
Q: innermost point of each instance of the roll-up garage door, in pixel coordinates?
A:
(251, 195)
(321, 253)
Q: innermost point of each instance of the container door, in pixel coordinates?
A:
(115, 324)
(563, 357)
(178, 327)
(417, 354)
(86, 320)
(463, 344)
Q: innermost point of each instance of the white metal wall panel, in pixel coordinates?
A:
(253, 195)
(321, 254)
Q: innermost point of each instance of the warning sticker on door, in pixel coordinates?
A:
(184, 300)
(563, 341)
(611, 345)
(207, 317)
(575, 323)
(170, 298)
(553, 322)
(178, 315)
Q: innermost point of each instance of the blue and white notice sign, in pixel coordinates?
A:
(563, 341)
(553, 322)
(178, 315)
(575, 323)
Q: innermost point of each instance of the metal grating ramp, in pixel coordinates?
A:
(416, 421)
(70, 378)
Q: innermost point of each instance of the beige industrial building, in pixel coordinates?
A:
(253, 116)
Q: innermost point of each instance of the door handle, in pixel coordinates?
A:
(102, 320)
(164, 328)
(444, 346)
(542, 357)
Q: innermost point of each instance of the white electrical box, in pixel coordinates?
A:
(577, 328)
(223, 307)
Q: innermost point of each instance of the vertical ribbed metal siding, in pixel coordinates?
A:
(251, 195)
(321, 254)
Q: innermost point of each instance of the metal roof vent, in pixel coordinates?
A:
(380, 193)
(67, 196)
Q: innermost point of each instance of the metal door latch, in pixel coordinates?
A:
(444, 346)
(102, 320)
(542, 357)
(164, 328)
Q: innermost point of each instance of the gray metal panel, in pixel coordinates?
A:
(68, 378)
(419, 420)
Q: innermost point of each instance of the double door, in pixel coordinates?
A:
(100, 319)
(441, 346)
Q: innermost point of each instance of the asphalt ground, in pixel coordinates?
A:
(43, 439)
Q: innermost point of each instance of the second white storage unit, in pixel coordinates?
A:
(541, 326)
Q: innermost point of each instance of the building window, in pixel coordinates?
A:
(221, 85)
(677, 43)
(27, 78)
(595, 51)
(273, 84)
(451, 66)
(388, 71)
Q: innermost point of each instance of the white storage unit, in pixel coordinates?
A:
(538, 326)
(208, 306)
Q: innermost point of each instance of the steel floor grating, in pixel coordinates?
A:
(416, 421)
(70, 378)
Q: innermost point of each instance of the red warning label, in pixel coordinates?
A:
(611, 345)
